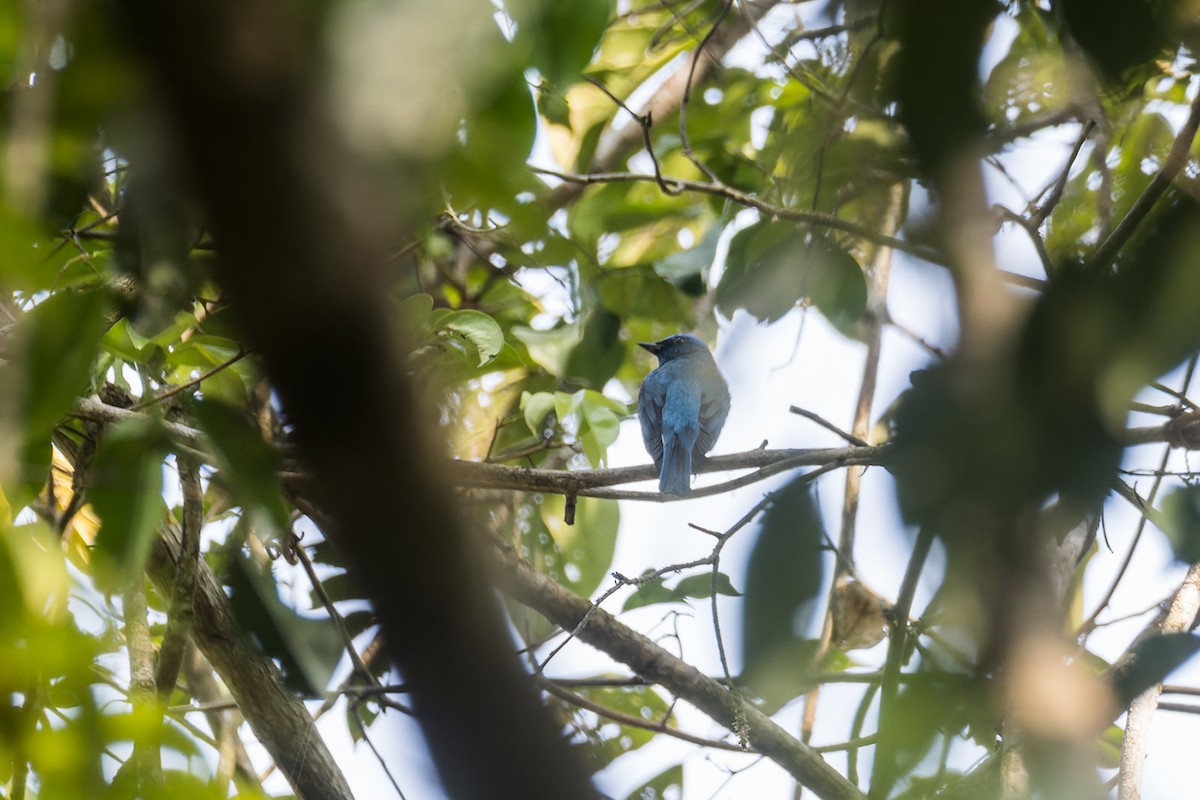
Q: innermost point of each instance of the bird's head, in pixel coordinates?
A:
(677, 346)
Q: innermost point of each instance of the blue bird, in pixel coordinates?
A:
(682, 406)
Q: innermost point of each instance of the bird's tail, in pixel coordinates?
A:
(676, 474)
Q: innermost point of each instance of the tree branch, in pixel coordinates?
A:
(277, 717)
(180, 612)
(651, 661)
(1184, 607)
(1179, 618)
(770, 210)
(883, 772)
(233, 762)
(146, 760)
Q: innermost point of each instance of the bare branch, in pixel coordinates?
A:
(179, 615)
(146, 760)
(654, 663)
(277, 717)
(1179, 618)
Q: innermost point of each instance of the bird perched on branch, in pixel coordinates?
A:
(682, 406)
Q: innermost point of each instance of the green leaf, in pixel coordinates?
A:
(563, 36)
(649, 593)
(1108, 747)
(61, 337)
(33, 572)
(360, 716)
(308, 649)
(1153, 660)
(477, 328)
(1181, 515)
(119, 340)
(640, 292)
(599, 353)
(837, 286)
(414, 316)
(489, 168)
(567, 404)
(762, 271)
(684, 264)
(933, 701)
(536, 408)
(249, 464)
(669, 782)
(553, 106)
(772, 266)
(23, 245)
(782, 579)
(550, 349)
(600, 427)
(701, 586)
(640, 702)
(583, 552)
(126, 493)
(694, 586)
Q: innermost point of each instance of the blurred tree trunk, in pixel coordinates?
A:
(301, 256)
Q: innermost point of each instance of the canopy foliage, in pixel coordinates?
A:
(341, 300)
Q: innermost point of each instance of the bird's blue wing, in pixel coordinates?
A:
(714, 408)
(650, 402)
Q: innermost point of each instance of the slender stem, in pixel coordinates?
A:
(883, 771)
(146, 759)
(658, 726)
(196, 381)
(1180, 616)
(182, 599)
(1147, 508)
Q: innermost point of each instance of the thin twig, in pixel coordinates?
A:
(362, 725)
(829, 426)
(174, 390)
(645, 122)
(718, 189)
(335, 615)
(883, 768)
(687, 96)
(657, 726)
(1178, 395)
(1038, 215)
(1035, 237)
(1145, 506)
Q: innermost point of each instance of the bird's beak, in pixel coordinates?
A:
(653, 347)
